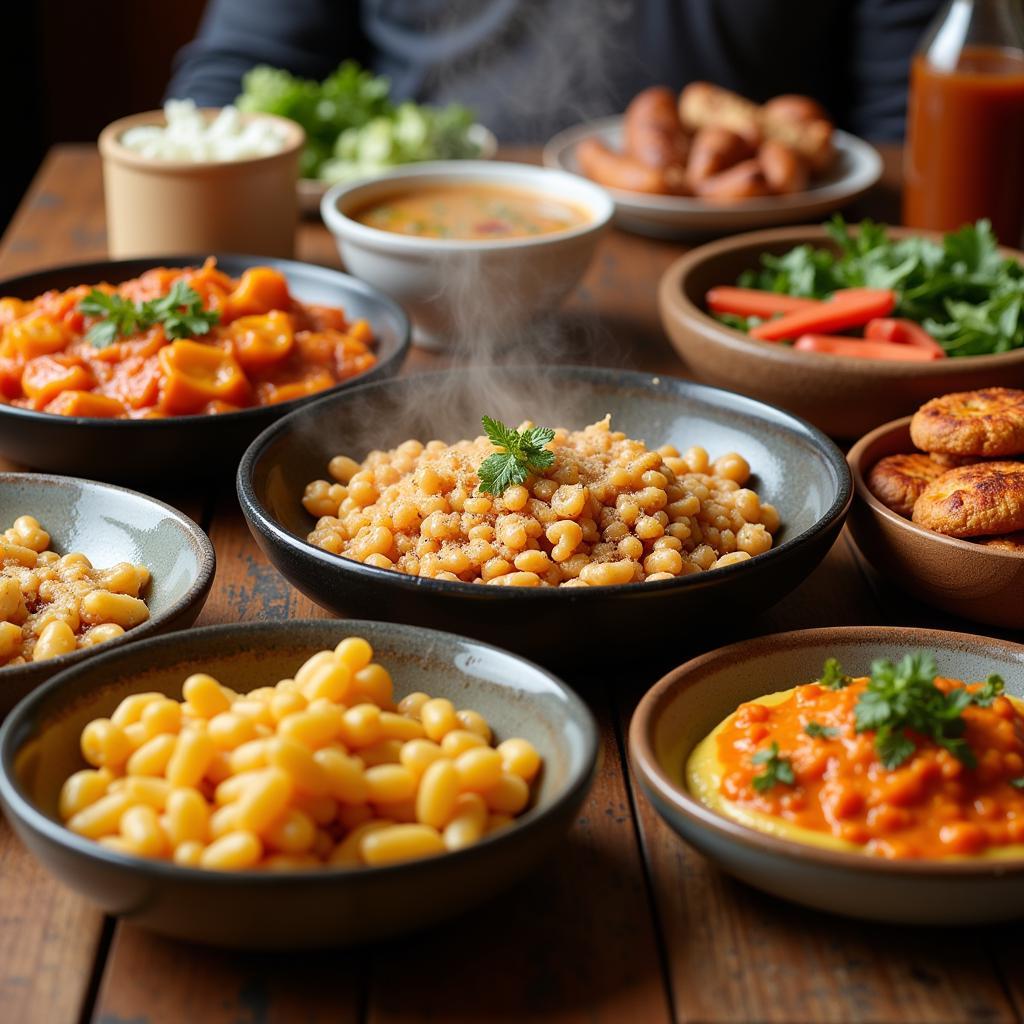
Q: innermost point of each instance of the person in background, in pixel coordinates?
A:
(531, 67)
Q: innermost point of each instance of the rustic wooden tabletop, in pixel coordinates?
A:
(626, 924)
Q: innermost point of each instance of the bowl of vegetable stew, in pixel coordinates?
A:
(844, 395)
(171, 448)
(794, 467)
(325, 905)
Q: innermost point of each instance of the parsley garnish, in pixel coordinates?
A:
(522, 452)
(776, 769)
(818, 731)
(989, 690)
(832, 677)
(180, 311)
(1017, 783)
(904, 696)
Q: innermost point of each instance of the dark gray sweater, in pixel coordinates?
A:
(530, 67)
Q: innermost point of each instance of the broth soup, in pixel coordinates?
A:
(471, 213)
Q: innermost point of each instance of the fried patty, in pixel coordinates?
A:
(989, 421)
(897, 481)
(974, 501)
(1011, 542)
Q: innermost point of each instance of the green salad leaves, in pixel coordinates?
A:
(961, 290)
(352, 127)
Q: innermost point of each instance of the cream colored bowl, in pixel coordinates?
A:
(459, 290)
(159, 207)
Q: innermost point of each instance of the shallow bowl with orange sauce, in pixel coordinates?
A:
(692, 700)
(176, 447)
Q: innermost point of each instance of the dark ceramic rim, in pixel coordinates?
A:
(676, 305)
(695, 673)
(259, 518)
(855, 459)
(18, 804)
(95, 269)
(194, 536)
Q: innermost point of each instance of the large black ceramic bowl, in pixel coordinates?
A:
(323, 906)
(181, 447)
(796, 468)
(109, 525)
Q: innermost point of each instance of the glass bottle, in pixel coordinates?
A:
(964, 155)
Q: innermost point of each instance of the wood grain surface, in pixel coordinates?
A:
(625, 924)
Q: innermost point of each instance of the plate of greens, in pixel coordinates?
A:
(354, 129)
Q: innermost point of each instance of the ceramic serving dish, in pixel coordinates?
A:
(843, 396)
(312, 190)
(976, 582)
(181, 447)
(110, 525)
(796, 468)
(172, 206)
(857, 168)
(690, 701)
(506, 281)
(329, 906)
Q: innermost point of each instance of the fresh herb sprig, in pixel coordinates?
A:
(774, 769)
(832, 677)
(1017, 783)
(904, 697)
(521, 452)
(818, 731)
(962, 290)
(180, 311)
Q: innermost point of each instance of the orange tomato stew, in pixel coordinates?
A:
(232, 344)
(809, 761)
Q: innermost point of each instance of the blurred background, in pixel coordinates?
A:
(78, 66)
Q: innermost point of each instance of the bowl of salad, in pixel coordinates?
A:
(354, 129)
(849, 326)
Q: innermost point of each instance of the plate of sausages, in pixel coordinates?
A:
(710, 160)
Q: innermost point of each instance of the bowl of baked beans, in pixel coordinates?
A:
(296, 784)
(86, 567)
(651, 501)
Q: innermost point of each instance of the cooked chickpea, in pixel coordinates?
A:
(195, 782)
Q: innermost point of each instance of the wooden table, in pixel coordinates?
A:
(626, 924)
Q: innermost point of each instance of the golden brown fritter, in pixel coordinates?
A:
(897, 481)
(974, 501)
(1011, 542)
(989, 421)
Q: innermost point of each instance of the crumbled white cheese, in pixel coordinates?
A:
(189, 136)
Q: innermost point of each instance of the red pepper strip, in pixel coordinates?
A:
(903, 332)
(843, 310)
(828, 344)
(753, 302)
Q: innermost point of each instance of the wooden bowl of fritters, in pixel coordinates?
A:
(972, 486)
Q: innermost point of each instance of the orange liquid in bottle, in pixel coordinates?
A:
(965, 143)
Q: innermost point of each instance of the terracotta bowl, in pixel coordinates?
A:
(978, 583)
(842, 396)
(690, 701)
(326, 906)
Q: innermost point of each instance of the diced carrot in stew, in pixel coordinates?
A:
(11, 309)
(259, 290)
(309, 384)
(136, 382)
(86, 403)
(195, 374)
(842, 311)
(45, 377)
(260, 342)
(322, 317)
(34, 336)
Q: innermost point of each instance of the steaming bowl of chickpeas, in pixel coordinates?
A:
(664, 502)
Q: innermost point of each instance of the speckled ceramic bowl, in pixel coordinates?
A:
(843, 396)
(796, 468)
(690, 701)
(109, 525)
(979, 583)
(330, 906)
(181, 448)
